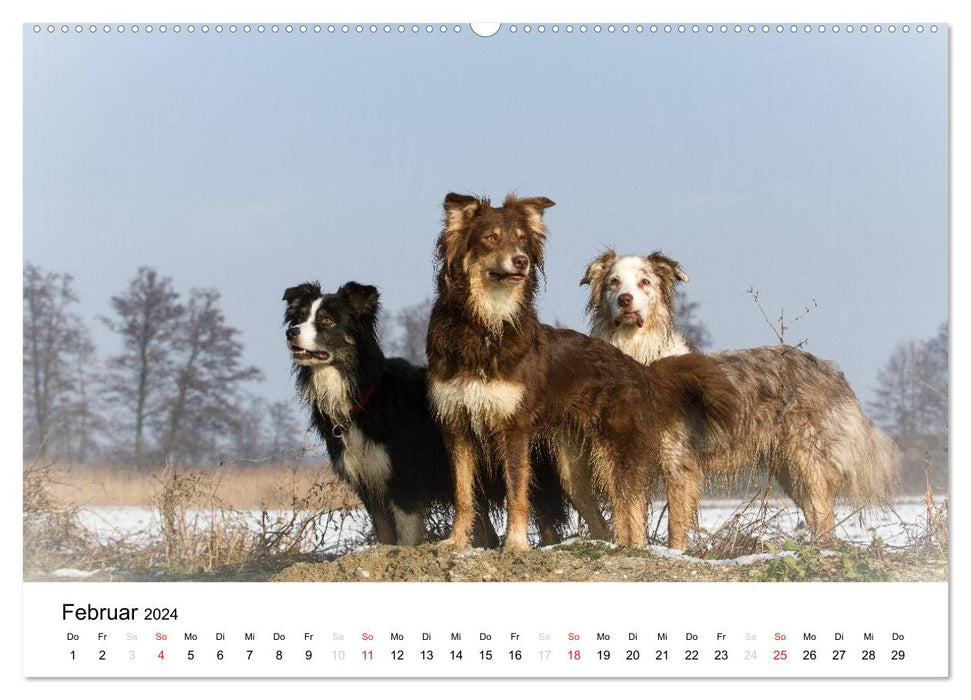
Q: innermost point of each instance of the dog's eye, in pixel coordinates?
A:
(326, 321)
(645, 282)
(492, 238)
(613, 283)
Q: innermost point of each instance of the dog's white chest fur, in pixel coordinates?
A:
(646, 346)
(486, 402)
(364, 462)
(330, 392)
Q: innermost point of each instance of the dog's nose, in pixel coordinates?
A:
(293, 332)
(520, 262)
(625, 300)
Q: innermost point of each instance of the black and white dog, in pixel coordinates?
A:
(373, 414)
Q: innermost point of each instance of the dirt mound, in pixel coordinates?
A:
(600, 562)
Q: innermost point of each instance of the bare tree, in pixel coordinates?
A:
(83, 419)
(46, 298)
(285, 433)
(912, 387)
(935, 379)
(686, 319)
(782, 324)
(208, 376)
(58, 363)
(410, 332)
(147, 316)
(248, 433)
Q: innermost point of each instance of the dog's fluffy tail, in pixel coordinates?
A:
(699, 386)
(868, 458)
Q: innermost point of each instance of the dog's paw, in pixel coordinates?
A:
(519, 545)
(453, 543)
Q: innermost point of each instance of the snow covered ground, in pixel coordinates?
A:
(891, 526)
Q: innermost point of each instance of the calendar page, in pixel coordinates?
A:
(437, 349)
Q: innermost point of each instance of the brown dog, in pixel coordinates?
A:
(501, 382)
(798, 416)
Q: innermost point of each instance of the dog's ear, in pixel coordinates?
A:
(459, 210)
(294, 296)
(669, 269)
(594, 276)
(597, 269)
(301, 290)
(533, 208)
(361, 298)
(537, 204)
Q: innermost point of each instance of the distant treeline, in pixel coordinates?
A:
(178, 392)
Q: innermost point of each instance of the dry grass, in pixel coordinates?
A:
(200, 530)
(195, 528)
(53, 537)
(758, 526)
(931, 533)
(250, 486)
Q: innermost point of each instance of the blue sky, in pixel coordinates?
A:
(810, 166)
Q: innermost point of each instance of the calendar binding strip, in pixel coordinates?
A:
(514, 28)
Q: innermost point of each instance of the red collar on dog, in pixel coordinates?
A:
(359, 406)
